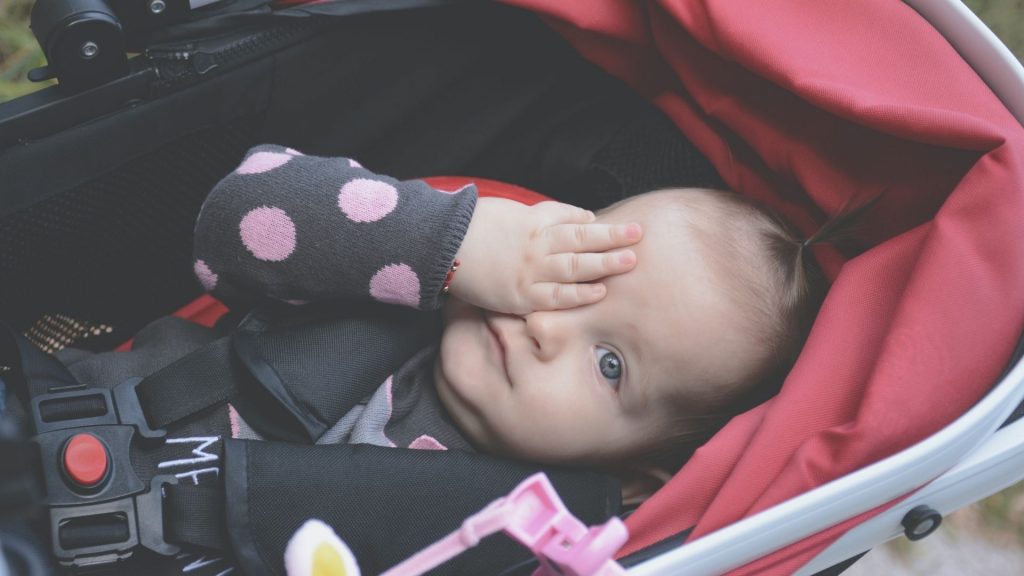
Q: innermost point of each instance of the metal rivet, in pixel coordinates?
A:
(924, 527)
(89, 50)
(157, 6)
(920, 522)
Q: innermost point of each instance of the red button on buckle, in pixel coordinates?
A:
(85, 460)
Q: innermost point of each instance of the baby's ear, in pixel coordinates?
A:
(639, 484)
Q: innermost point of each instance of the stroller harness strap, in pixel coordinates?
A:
(129, 502)
(196, 515)
(200, 380)
(88, 528)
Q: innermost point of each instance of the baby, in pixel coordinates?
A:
(611, 339)
(711, 312)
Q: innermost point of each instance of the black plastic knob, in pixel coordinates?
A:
(83, 42)
(920, 522)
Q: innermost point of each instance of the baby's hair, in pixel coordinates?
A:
(767, 267)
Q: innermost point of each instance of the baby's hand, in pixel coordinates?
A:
(518, 259)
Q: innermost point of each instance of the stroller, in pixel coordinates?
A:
(906, 401)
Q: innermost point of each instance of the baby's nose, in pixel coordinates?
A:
(548, 331)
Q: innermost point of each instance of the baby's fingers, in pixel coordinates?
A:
(572, 267)
(592, 237)
(557, 296)
(560, 213)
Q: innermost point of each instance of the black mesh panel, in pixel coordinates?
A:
(115, 250)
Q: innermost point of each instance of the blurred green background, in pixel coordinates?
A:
(19, 51)
(998, 519)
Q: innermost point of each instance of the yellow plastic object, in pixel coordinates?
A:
(315, 550)
(327, 562)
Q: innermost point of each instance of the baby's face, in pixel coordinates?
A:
(596, 383)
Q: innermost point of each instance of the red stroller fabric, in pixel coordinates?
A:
(809, 106)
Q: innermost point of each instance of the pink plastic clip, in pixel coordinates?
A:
(534, 515)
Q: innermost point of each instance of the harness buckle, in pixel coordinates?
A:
(100, 510)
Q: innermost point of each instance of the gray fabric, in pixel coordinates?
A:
(416, 410)
(341, 431)
(158, 344)
(327, 227)
(405, 412)
(369, 427)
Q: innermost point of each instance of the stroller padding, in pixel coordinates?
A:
(359, 488)
(811, 106)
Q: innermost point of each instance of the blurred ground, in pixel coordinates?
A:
(986, 538)
(942, 554)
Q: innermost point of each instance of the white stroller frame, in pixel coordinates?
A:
(966, 461)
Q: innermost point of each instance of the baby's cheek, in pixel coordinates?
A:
(460, 361)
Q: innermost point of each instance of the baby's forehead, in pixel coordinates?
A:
(672, 224)
(676, 302)
(674, 201)
(711, 228)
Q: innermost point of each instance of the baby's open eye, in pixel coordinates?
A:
(609, 364)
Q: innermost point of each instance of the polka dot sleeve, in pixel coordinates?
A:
(301, 228)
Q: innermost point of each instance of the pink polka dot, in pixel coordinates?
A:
(206, 276)
(396, 284)
(262, 162)
(364, 200)
(233, 417)
(426, 442)
(268, 233)
(352, 163)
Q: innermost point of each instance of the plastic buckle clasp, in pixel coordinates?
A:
(563, 544)
(535, 516)
(100, 407)
(129, 411)
(128, 510)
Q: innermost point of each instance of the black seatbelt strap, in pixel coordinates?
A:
(195, 514)
(205, 378)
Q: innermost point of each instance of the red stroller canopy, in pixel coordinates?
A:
(809, 106)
